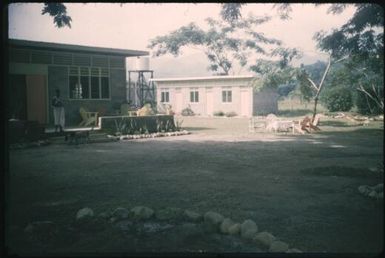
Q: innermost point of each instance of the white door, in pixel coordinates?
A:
(209, 103)
(245, 103)
(178, 102)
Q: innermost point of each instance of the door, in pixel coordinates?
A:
(17, 105)
(178, 102)
(36, 98)
(209, 102)
(245, 103)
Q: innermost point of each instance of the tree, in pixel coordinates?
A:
(306, 81)
(360, 39)
(223, 43)
(59, 13)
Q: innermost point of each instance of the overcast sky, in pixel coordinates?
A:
(132, 25)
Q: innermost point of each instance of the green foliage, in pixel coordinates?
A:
(315, 70)
(218, 113)
(231, 12)
(142, 125)
(221, 42)
(272, 75)
(365, 104)
(361, 36)
(305, 86)
(59, 13)
(337, 99)
(187, 111)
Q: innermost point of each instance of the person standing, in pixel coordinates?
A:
(58, 111)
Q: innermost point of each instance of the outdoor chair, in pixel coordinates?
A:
(89, 118)
(306, 125)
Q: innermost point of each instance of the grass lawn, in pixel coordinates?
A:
(301, 188)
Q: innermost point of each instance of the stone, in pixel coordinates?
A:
(278, 247)
(120, 213)
(248, 229)
(41, 230)
(169, 213)
(104, 215)
(225, 225)
(141, 212)
(372, 194)
(234, 229)
(192, 216)
(213, 218)
(84, 213)
(154, 227)
(39, 226)
(293, 250)
(364, 189)
(264, 239)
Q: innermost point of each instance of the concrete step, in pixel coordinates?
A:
(93, 138)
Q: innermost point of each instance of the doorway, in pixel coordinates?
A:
(245, 103)
(28, 97)
(209, 102)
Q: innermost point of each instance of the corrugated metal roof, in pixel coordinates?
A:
(38, 45)
(226, 77)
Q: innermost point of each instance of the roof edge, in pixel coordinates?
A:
(76, 48)
(204, 78)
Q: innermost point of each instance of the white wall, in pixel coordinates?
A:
(204, 88)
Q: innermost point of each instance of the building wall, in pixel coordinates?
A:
(209, 89)
(58, 79)
(55, 67)
(265, 102)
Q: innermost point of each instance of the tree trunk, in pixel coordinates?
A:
(315, 109)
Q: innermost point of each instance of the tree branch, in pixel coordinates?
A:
(312, 83)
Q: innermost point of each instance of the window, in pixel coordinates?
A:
(226, 96)
(194, 95)
(165, 96)
(89, 83)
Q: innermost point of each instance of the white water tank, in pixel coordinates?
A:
(142, 63)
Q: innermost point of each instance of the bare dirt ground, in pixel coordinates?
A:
(301, 188)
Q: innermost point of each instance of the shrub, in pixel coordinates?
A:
(338, 99)
(218, 113)
(230, 114)
(187, 112)
(366, 105)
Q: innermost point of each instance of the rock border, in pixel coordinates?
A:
(374, 192)
(213, 222)
(148, 135)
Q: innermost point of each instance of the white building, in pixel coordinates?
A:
(207, 95)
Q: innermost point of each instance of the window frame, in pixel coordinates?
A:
(227, 96)
(165, 96)
(194, 95)
(90, 75)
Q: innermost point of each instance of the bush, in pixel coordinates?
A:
(187, 112)
(218, 113)
(338, 99)
(366, 105)
(230, 114)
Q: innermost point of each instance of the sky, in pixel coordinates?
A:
(133, 25)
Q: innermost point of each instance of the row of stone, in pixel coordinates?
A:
(149, 135)
(215, 222)
(376, 192)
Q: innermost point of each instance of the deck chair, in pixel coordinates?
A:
(89, 118)
(307, 125)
